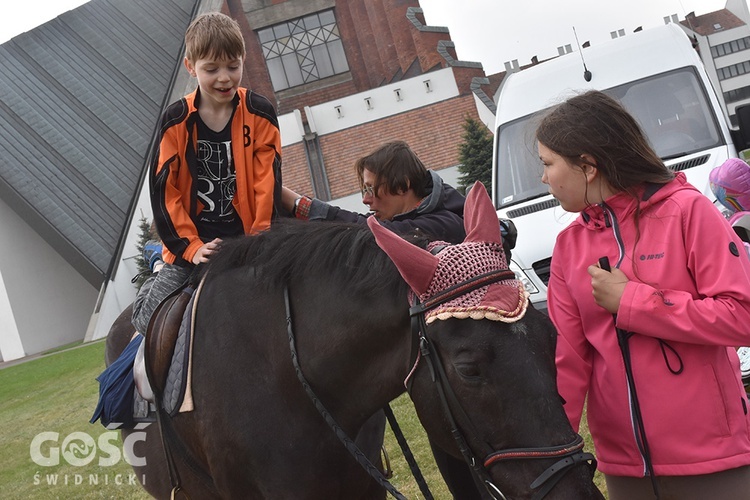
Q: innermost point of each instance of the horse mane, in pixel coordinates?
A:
(337, 252)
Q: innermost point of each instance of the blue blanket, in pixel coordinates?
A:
(116, 389)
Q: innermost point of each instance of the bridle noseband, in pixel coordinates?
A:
(569, 455)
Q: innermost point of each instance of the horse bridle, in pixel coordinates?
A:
(569, 455)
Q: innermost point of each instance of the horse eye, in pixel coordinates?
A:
(468, 370)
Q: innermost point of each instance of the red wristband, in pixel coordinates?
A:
(302, 211)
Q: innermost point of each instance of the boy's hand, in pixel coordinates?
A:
(607, 287)
(205, 252)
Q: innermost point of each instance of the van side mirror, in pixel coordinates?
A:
(743, 121)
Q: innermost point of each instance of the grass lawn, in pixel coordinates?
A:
(57, 394)
(51, 399)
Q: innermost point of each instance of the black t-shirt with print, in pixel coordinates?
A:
(216, 184)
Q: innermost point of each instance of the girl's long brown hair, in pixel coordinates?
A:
(595, 124)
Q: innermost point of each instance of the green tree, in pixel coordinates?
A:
(147, 232)
(475, 154)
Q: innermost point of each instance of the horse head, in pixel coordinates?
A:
(484, 382)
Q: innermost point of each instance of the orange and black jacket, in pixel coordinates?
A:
(256, 150)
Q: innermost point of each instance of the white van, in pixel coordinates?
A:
(657, 75)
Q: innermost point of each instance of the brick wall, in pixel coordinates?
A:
(401, 31)
(295, 173)
(464, 77)
(380, 44)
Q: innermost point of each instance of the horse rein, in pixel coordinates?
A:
(569, 455)
(348, 443)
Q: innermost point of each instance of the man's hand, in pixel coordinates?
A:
(607, 287)
(205, 252)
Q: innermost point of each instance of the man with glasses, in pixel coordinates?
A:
(399, 191)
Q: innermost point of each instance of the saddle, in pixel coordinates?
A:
(161, 338)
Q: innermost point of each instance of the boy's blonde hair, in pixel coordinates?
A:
(214, 36)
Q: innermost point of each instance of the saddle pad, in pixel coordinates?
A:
(177, 397)
(176, 384)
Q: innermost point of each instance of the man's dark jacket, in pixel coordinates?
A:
(439, 216)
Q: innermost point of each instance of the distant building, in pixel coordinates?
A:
(723, 40)
(81, 96)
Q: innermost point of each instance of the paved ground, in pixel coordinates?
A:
(6, 364)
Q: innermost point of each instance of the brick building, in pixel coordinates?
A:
(349, 75)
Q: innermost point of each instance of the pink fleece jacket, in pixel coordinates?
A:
(690, 287)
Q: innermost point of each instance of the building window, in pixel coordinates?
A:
(730, 47)
(737, 94)
(733, 70)
(303, 50)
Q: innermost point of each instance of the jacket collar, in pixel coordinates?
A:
(195, 97)
(623, 205)
(433, 199)
(430, 202)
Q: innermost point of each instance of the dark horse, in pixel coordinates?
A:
(255, 432)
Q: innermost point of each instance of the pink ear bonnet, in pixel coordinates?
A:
(481, 252)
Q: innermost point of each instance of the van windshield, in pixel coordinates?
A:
(672, 109)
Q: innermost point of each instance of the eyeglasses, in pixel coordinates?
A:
(370, 190)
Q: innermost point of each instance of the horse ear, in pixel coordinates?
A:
(480, 219)
(415, 265)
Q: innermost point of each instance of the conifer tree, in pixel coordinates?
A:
(475, 154)
(146, 233)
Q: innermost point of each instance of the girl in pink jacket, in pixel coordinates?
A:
(649, 344)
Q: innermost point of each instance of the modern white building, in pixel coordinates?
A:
(80, 96)
(723, 40)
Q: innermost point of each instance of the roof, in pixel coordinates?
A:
(80, 97)
(713, 22)
(611, 63)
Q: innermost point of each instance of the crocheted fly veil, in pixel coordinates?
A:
(481, 252)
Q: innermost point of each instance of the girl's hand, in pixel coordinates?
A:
(607, 287)
(205, 252)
